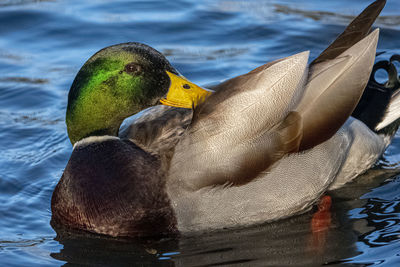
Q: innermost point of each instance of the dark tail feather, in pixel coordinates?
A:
(356, 31)
(379, 106)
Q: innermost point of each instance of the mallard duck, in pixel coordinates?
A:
(113, 84)
(265, 146)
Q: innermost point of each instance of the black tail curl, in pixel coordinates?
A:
(377, 96)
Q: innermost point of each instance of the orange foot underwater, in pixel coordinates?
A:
(320, 223)
(321, 220)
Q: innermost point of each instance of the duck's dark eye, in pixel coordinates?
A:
(186, 86)
(133, 68)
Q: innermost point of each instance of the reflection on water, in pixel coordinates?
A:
(44, 43)
(288, 242)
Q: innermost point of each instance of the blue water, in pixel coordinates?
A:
(44, 43)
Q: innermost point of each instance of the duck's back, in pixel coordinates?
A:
(157, 129)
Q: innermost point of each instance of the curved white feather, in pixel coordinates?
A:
(365, 149)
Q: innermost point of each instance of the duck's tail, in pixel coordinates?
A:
(379, 106)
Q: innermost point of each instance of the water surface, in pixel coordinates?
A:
(44, 43)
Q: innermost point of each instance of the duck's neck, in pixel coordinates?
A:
(96, 120)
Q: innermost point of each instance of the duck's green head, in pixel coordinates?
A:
(115, 83)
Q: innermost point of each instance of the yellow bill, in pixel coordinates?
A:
(183, 93)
